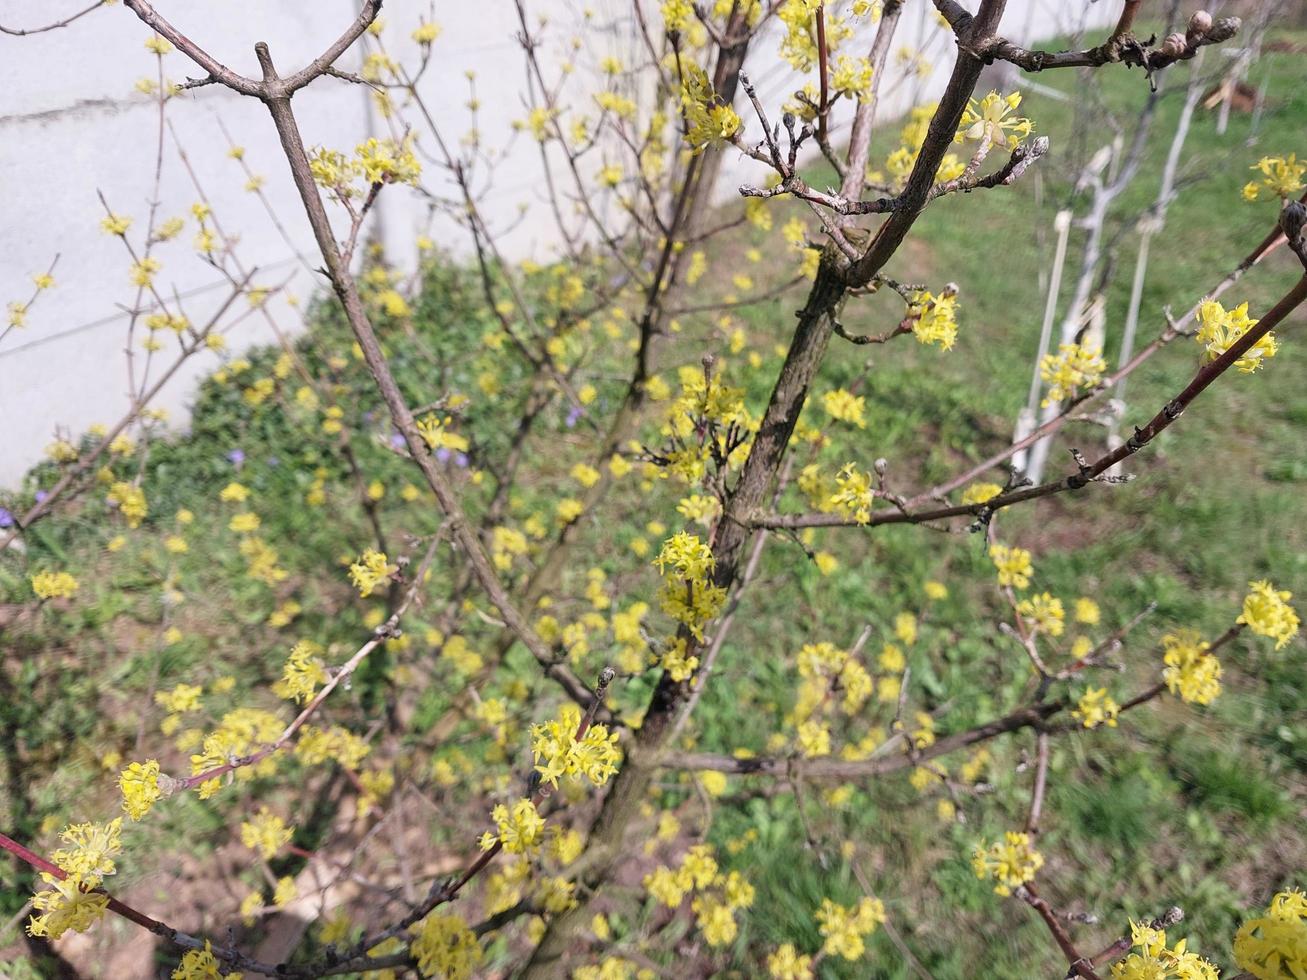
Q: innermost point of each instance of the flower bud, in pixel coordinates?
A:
(1174, 46)
(1292, 220)
(1199, 24)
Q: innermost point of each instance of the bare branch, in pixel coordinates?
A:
(24, 32)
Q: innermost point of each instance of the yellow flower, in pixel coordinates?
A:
(1282, 176)
(676, 663)
(1087, 612)
(520, 829)
(935, 318)
(1274, 945)
(1266, 611)
(853, 494)
(201, 964)
(978, 493)
(710, 121)
(1191, 671)
(245, 522)
(181, 699)
(1154, 961)
(1010, 862)
(1095, 708)
(594, 756)
(265, 833)
(1013, 565)
(53, 585)
(91, 850)
(844, 405)
(370, 571)
(302, 672)
(426, 33)
(715, 920)
(844, 928)
(130, 501)
(1075, 367)
(115, 225)
(285, 892)
(66, 904)
(140, 787)
(1044, 612)
(989, 120)
(787, 964)
(1219, 329)
(384, 161)
(445, 947)
(814, 739)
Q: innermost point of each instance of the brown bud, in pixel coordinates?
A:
(1292, 220)
(1174, 46)
(1199, 24)
(1224, 29)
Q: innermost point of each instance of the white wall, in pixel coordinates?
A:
(71, 124)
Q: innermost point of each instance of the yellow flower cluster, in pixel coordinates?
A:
(201, 964)
(520, 828)
(302, 672)
(710, 121)
(911, 138)
(265, 833)
(1096, 707)
(1152, 960)
(825, 667)
(181, 699)
(130, 501)
(852, 77)
(1282, 176)
(935, 318)
(787, 963)
(1011, 861)
(719, 895)
(241, 732)
(1043, 612)
(335, 744)
(853, 494)
(1191, 671)
(435, 433)
(1266, 611)
(53, 585)
(370, 571)
(845, 928)
(558, 752)
(1274, 945)
(445, 947)
(688, 594)
(1219, 329)
(1074, 368)
(677, 661)
(1013, 565)
(978, 493)
(139, 783)
(71, 902)
(845, 406)
(990, 120)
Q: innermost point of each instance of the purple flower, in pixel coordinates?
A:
(575, 414)
(236, 457)
(396, 440)
(40, 496)
(6, 517)
(461, 460)
(442, 455)
(273, 461)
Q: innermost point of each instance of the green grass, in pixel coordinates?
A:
(1179, 805)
